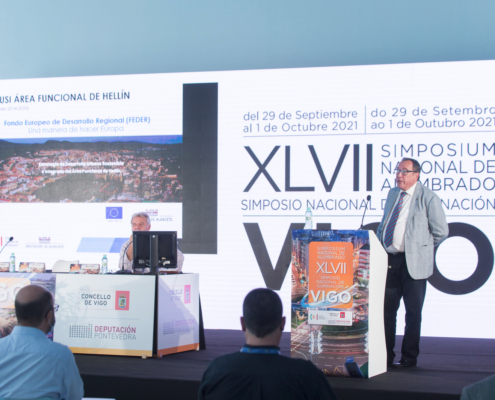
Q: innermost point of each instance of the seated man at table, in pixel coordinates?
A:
(140, 222)
(31, 365)
(259, 371)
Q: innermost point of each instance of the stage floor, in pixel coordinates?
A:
(445, 366)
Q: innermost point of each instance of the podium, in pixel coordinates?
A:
(338, 286)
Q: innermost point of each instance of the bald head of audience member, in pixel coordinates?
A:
(34, 308)
(262, 321)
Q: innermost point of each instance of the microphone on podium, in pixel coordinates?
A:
(10, 240)
(365, 208)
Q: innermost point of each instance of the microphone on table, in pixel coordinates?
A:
(365, 208)
(123, 271)
(10, 240)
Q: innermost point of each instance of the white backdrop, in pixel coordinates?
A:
(442, 114)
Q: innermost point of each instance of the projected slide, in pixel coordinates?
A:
(79, 156)
(91, 170)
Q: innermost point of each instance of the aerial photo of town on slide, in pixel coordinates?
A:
(125, 169)
(329, 316)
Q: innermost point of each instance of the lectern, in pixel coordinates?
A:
(338, 285)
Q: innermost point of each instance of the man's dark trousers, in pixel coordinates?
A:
(401, 285)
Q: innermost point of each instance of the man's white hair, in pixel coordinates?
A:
(141, 214)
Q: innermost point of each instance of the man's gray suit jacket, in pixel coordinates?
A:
(426, 228)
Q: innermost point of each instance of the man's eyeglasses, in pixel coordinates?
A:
(54, 308)
(403, 171)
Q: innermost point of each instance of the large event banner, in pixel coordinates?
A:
(326, 138)
(79, 155)
(178, 313)
(10, 284)
(106, 314)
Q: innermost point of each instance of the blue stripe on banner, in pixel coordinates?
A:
(117, 244)
(100, 245)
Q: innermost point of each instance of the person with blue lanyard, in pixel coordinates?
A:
(258, 370)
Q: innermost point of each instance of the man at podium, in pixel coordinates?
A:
(140, 222)
(413, 224)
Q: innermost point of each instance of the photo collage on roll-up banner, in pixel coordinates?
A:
(330, 272)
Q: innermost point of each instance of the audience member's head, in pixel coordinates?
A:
(231, 376)
(34, 308)
(262, 319)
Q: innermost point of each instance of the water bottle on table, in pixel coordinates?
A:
(104, 264)
(12, 263)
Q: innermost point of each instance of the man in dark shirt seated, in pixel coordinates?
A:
(259, 371)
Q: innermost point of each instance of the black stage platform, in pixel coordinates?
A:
(446, 365)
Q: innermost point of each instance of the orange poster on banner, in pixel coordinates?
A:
(331, 274)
